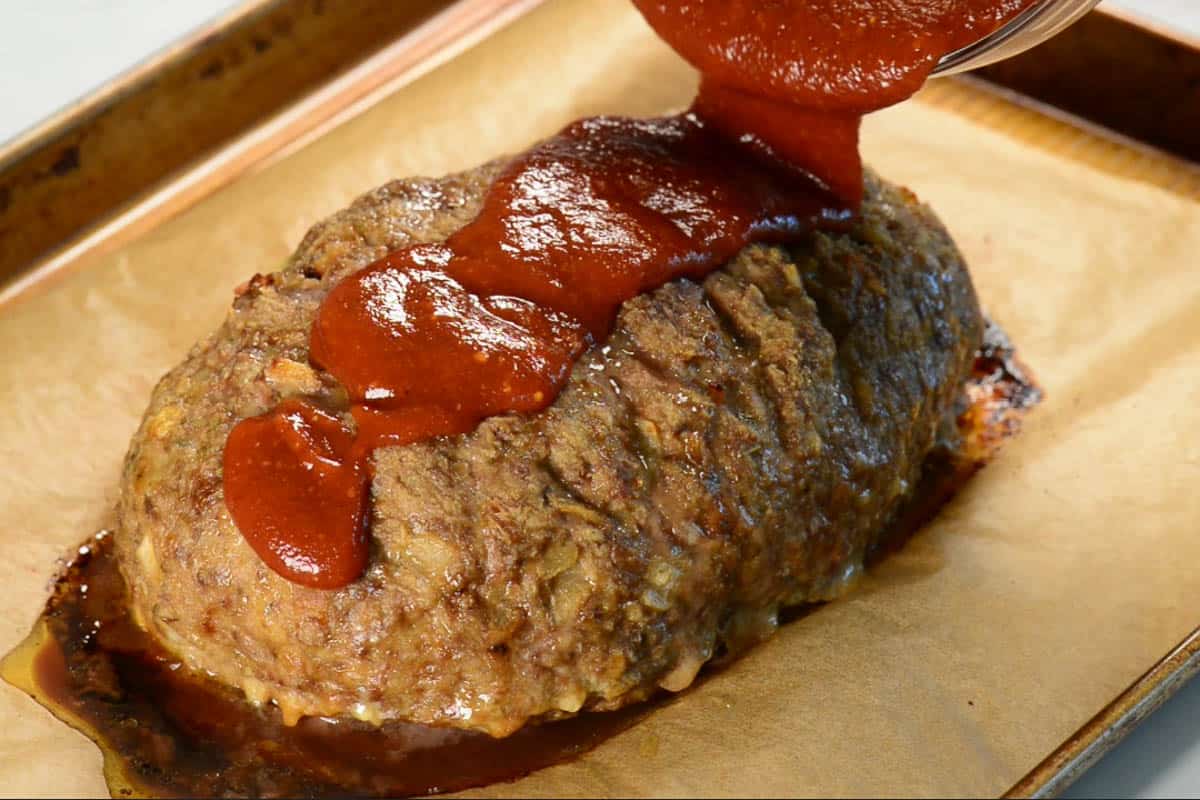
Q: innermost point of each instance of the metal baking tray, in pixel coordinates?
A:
(274, 75)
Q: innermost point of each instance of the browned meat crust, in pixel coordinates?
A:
(734, 447)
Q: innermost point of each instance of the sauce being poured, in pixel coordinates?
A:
(793, 78)
(433, 338)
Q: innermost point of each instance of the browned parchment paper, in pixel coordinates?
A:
(1065, 569)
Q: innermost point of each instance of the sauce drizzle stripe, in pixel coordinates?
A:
(433, 338)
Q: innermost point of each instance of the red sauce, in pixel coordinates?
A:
(434, 338)
(793, 78)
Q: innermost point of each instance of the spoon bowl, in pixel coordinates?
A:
(1031, 27)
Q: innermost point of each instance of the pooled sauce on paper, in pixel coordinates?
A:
(168, 732)
(433, 338)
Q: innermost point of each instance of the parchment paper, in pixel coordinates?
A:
(1068, 567)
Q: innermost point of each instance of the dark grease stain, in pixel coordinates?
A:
(166, 731)
(67, 161)
(214, 69)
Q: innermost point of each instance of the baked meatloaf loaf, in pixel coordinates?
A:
(735, 446)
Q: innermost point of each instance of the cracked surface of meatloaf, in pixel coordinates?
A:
(734, 446)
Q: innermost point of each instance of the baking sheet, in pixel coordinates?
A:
(1066, 569)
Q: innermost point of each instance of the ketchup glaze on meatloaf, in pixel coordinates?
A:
(433, 338)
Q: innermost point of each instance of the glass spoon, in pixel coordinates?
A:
(1031, 27)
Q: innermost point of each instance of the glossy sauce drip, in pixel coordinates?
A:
(434, 338)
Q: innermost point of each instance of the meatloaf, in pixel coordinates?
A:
(734, 447)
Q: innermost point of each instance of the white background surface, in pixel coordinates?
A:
(54, 51)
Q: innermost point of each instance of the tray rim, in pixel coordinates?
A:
(279, 129)
(1113, 723)
(412, 54)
